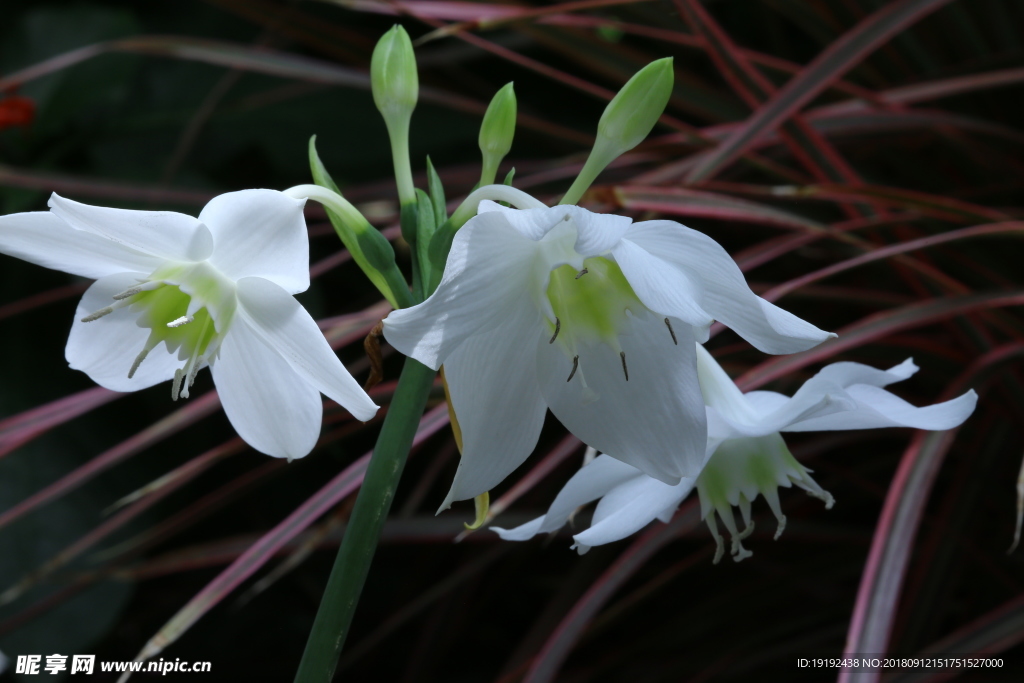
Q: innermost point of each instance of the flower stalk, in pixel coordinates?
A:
(363, 530)
(370, 249)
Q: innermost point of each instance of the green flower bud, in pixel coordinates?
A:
(393, 75)
(496, 132)
(395, 88)
(632, 113)
(626, 121)
(499, 123)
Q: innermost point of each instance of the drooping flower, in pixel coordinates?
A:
(174, 294)
(591, 315)
(748, 456)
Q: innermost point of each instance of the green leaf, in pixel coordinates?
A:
(436, 194)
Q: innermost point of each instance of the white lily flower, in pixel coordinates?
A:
(174, 294)
(747, 454)
(592, 316)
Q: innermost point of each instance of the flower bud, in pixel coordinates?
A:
(499, 123)
(626, 121)
(632, 113)
(393, 76)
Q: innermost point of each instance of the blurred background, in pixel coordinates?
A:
(861, 159)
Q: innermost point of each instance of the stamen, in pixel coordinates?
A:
(176, 384)
(558, 327)
(575, 364)
(719, 541)
(672, 332)
(150, 345)
(107, 310)
(183, 320)
(582, 273)
(98, 314)
(625, 370)
(126, 293)
(137, 289)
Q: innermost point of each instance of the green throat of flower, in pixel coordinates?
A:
(591, 306)
(164, 309)
(739, 471)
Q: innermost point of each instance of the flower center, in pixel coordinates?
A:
(592, 305)
(185, 307)
(739, 470)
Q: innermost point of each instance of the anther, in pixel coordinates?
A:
(98, 314)
(176, 384)
(137, 289)
(138, 361)
(106, 310)
(581, 273)
(183, 320)
(575, 364)
(625, 370)
(127, 293)
(558, 327)
(671, 331)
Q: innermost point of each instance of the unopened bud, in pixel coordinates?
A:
(499, 123)
(632, 113)
(393, 75)
(626, 121)
(496, 132)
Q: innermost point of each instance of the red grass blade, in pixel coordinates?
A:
(19, 429)
(258, 554)
(194, 411)
(1011, 228)
(557, 647)
(878, 326)
(995, 632)
(838, 58)
(677, 201)
(168, 484)
(882, 580)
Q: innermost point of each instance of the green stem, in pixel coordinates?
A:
(398, 132)
(603, 153)
(364, 526)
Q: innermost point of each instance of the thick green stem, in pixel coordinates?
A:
(603, 153)
(363, 529)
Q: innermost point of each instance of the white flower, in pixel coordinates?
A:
(174, 293)
(747, 454)
(592, 316)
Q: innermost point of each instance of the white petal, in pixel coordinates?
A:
(726, 294)
(273, 409)
(105, 349)
(590, 482)
(531, 223)
(827, 393)
(523, 532)
(655, 421)
(493, 386)
(42, 238)
(597, 233)
(165, 234)
(489, 274)
(260, 233)
(663, 287)
(877, 407)
(285, 326)
(630, 507)
(849, 373)
(721, 393)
